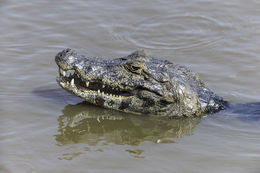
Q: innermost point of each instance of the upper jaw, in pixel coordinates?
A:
(73, 81)
(72, 78)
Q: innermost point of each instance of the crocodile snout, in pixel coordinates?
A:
(65, 59)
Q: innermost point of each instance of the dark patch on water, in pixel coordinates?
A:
(55, 95)
(248, 112)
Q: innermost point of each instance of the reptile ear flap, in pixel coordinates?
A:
(136, 54)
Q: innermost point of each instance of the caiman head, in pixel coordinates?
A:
(135, 83)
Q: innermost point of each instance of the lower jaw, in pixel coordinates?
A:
(117, 102)
(121, 103)
(105, 101)
(89, 95)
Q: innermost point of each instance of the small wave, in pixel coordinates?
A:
(172, 32)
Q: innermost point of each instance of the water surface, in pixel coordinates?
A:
(45, 129)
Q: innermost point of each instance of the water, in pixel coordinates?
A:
(45, 129)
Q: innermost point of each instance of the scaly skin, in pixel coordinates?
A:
(138, 84)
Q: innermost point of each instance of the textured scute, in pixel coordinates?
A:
(137, 83)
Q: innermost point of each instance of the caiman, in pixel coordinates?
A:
(138, 84)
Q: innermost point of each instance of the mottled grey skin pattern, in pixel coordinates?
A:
(136, 83)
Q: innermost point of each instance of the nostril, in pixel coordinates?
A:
(63, 54)
(67, 50)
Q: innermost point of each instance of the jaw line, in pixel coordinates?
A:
(70, 84)
(81, 87)
(112, 101)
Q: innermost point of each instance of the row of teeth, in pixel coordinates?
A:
(68, 73)
(98, 91)
(111, 95)
(72, 83)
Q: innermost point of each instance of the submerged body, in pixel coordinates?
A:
(138, 84)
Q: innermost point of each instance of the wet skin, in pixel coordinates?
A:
(138, 84)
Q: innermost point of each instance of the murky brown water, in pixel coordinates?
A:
(44, 129)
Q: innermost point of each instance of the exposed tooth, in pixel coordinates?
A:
(72, 82)
(58, 72)
(87, 84)
(98, 119)
(98, 91)
(103, 93)
(103, 86)
(63, 73)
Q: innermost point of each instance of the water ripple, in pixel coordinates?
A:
(172, 32)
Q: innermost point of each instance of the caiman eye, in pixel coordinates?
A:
(135, 66)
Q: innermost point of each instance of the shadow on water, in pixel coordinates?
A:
(55, 94)
(85, 123)
(248, 112)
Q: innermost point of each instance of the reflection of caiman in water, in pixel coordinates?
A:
(83, 123)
